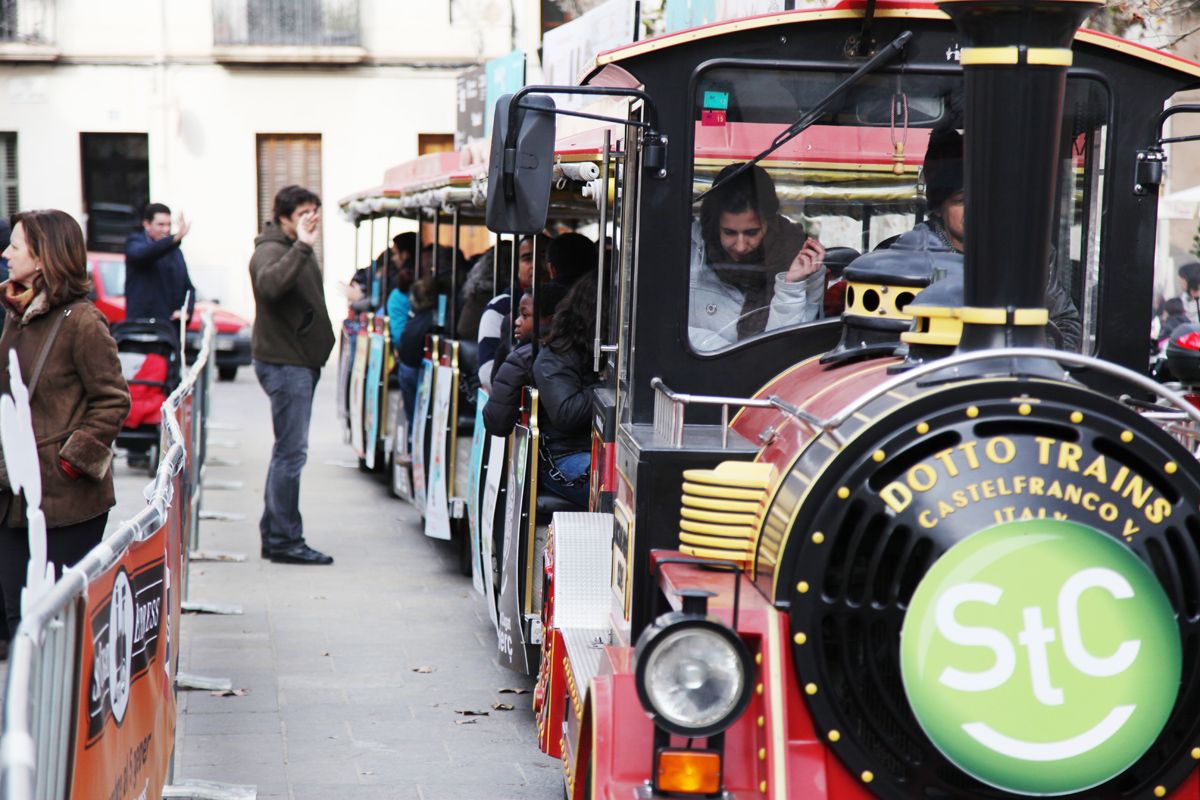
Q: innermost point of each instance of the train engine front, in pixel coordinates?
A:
(992, 572)
(984, 572)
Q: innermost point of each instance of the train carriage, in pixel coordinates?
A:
(966, 570)
(456, 475)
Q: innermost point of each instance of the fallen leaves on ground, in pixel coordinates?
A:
(503, 706)
(470, 712)
(423, 670)
(513, 691)
(465, 721)
(229, 693)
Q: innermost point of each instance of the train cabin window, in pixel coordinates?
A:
(768, 242)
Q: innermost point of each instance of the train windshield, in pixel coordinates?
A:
(768, 245)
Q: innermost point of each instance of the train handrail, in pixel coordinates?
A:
(59, 607)
(669, 407)
(1140, 381)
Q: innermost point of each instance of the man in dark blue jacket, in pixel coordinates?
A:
(156, 276)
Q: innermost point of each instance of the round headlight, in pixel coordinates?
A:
(692, 675)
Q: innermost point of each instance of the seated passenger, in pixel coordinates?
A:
(478, 291)
(362, 293)
(398, 304)
(569, 257)
(492, 328)
(564, 379)
(945, 229)
(753, 269)
(411, 349)
(504, 403)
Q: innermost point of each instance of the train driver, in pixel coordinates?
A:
(944, 196)
(752, 269)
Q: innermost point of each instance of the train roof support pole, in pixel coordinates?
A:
(514, 299)
(533, 288)
(371, 265)
(454, 275)
(387, 264)
(601, 238)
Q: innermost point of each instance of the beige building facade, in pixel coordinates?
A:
(210, 105)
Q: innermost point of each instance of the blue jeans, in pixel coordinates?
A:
(290, 388)
(569, 478)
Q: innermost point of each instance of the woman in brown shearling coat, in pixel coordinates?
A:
(78, 397)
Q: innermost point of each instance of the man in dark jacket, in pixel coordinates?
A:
(156, 276)
(943, 175)
(292, 340)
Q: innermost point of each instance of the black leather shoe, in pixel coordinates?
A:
(301, 554)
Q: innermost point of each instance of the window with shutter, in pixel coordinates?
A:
(9, 202)
(285, 159)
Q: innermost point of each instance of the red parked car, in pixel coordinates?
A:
(107, 271)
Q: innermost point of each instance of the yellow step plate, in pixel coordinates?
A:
(725, 555)
(709, 529)
(717, 542)
(721, 492)
(738, 474)
(715, 504)
(702, 515)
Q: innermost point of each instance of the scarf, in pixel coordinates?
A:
(755, 278)
(18, 296)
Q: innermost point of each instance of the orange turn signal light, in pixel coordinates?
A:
(689, 771)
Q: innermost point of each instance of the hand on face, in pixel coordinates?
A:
(306, 227)
(810, 259)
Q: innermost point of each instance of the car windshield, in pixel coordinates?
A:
(112, 274)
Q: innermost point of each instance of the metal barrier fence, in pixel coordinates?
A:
(46, 715)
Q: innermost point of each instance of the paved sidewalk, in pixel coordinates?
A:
(334, 704)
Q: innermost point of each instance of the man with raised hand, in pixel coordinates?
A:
(156, 276)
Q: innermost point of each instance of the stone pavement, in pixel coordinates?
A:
(337, 701)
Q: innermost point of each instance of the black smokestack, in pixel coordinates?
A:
(1015, 57)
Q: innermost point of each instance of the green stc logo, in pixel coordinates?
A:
(1040, 657)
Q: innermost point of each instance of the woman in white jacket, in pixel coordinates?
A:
(752, 270)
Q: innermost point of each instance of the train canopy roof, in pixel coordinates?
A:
(850, 9)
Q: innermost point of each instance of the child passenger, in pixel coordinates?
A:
(516, 372)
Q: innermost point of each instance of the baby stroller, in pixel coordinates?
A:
(149, 352)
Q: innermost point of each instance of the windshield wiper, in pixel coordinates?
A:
(806, 120)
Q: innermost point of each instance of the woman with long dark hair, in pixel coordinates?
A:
(563, 375)
(78, 398)
(753, 269)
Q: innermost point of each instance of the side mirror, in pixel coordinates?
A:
(521, 165)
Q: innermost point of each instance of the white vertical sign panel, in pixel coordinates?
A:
(569, 48)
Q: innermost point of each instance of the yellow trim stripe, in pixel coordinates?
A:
(779, 775)
(1044, 56)
(1138, 51)
(999, 316)
(1050, 56)
(989, 55)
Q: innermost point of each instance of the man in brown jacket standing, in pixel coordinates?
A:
(293, 338)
